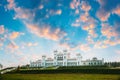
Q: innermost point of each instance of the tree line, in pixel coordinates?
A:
(112, 64)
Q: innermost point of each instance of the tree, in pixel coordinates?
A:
(18, 68)
(1, 66)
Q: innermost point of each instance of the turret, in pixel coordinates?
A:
(43, 60)
(79, 58)
(65, 53)
(55, 57)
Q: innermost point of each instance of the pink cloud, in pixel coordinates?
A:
(41, 7)
(12, 46)
(14, 35)
(46, 32)
(100, 44)
(32, 44)
(108, 31)
(74, 4)
(75, 24)
(1, 44)
(11, 4)
(112, 42)
(92, 33)
(2, 30)
(90, 39)
(101, 2)
(65, 45)
(84, 47)
(117, 10)
(85, 6)
(90, 29)
(118, 52)
(84, 18)
(103, 15)
(23, 13)
(59, 12)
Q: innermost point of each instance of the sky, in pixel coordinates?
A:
(32, 28)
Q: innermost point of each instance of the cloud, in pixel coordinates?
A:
(2, 30)
(41, 6)
(117, 10)
(85, 6)
(12, 46)
(118, 52)
(74, 4)
(55, 12)
(109, 37)
(14, 35)
(1, 44)
(11, 4)
(108, 30)
(59, 12)
(90, 40)
(91, 30)
(32, 44)
(103, 15)
(105, 10)
(28, 16)
(84, 47)
(84, 17)
(65, 45)
(75, 24)
(46, 32)
(23, 13)
(78, 6)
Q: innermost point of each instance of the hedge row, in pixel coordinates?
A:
(83, 67)
(88, 71)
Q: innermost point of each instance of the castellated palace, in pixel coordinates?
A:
(63, 59)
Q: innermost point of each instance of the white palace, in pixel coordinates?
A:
(63, 59)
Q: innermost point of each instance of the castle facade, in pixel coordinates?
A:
(63, 59)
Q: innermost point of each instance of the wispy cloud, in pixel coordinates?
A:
(117, 10)
(103, 15)
(2, 30)
(84, 47)
(14, 35)
(85, 6)
(41, 6)
(46, 32)
(59, 12)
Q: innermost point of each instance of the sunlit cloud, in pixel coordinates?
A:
(1, 44)
(12, 45)
(2, 30)
(32, 44)
(103, 15)
(23, 13)
(14, 35)
(59, 12)
(85, 6)
(11, 4)
(41, 6)
(118, 52)
(108, 31)
(74, 4)
(117, 10)
(45, 32)
(84, 47)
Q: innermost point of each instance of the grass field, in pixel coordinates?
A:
(72, 76)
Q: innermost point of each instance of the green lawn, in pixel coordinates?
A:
(60, 77)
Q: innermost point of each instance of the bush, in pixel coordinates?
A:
(88, 71)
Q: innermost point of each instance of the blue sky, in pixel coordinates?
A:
(31, 28)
